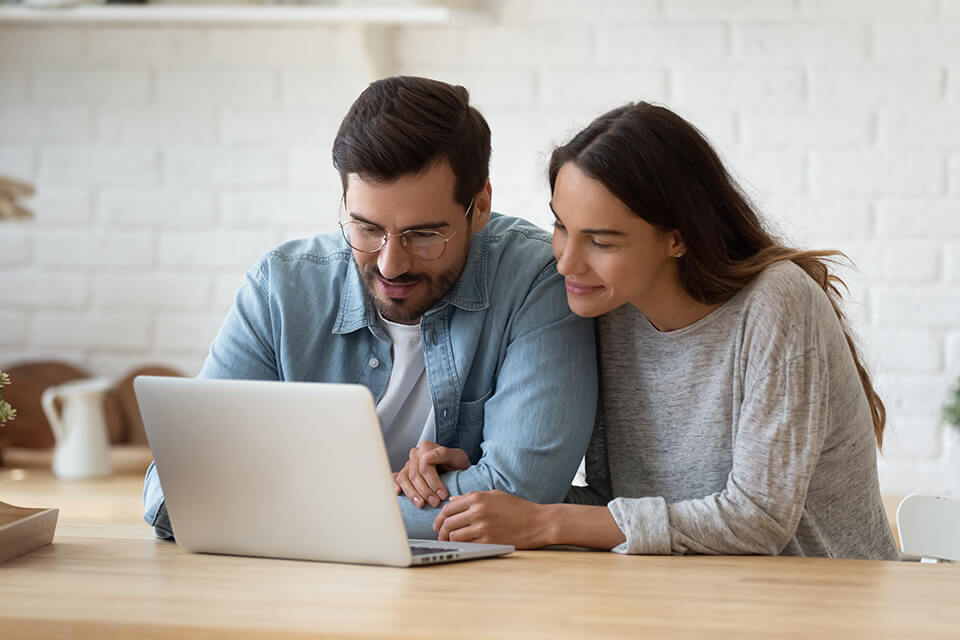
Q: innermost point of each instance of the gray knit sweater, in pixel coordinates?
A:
(747, 432)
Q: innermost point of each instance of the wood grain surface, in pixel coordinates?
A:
(106, 577)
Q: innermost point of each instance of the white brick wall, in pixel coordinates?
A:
(56, 87)
(93, 166)
(168, 159)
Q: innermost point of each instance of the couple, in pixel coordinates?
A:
(733, 415)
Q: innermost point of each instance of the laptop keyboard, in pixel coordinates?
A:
(423, 551)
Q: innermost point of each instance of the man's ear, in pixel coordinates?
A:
(481, 208)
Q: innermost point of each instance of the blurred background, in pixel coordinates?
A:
(169, 151)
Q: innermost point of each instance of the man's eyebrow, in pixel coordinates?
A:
(426, 226)
(592, 232)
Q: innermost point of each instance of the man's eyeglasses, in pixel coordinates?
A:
(369, 238)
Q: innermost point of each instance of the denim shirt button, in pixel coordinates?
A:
(444, 413)
(374, 363)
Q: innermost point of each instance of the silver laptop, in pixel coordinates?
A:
(281, 469)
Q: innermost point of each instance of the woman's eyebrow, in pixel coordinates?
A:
(592, 232)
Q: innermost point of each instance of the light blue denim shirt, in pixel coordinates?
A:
(512, 372)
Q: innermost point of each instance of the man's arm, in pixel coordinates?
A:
(598, 491)
(244, 346)
(537, 423)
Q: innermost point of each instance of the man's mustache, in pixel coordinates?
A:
(372, 270)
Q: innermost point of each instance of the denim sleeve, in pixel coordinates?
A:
(598, 491)
(537, 423)
(155, 509)
(243, 349)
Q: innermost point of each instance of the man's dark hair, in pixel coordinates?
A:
(404, 125)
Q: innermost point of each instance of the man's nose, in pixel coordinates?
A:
(393, 261)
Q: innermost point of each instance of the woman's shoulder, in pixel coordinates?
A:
(785, 288)
(786, 311)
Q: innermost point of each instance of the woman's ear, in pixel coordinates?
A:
(481, 207)
(676, 247)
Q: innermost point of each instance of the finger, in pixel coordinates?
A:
(408, 489)
(436, 455)
(432, 478)
(448, 510)
(453, 459)
(468, 534)
(420, 484)
(396, 485)
(452, 526)
(412, 471)
(409, 472)
(460, 528)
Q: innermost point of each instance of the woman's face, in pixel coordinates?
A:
(608, 255)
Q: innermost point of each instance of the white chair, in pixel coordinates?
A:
(929, 527)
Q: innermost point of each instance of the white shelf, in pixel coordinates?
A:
(246, 14)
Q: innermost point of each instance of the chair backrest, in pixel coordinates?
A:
(929, 527)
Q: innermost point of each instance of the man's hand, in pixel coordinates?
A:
(419, 479)
(494, 517)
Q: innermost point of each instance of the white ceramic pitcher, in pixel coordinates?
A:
(82, 449)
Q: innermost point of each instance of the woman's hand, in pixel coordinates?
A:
(419, 479)
(494, 517)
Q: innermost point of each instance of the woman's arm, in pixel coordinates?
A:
(778, 445)
(498, 517)
(779, 436)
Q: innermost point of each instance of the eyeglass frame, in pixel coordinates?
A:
(385, 237)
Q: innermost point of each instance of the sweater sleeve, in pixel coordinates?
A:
(778, 438)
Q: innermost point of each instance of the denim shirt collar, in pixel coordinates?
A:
(470, 292)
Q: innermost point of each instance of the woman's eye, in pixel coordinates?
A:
(559, 227)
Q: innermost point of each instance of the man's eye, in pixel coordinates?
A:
(600, 245)
(367, 229)
(423, 235)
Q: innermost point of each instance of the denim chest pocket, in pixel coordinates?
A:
(470, 425)
(472, 412)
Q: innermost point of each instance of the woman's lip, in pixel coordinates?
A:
(581, 289)
(396, 290)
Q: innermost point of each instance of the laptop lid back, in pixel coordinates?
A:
(274, 469)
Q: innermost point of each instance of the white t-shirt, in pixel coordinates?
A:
(406, 408)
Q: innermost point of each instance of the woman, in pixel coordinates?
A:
(736, 417)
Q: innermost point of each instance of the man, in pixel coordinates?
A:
(455, 318)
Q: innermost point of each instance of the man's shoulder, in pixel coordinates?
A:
(318, 255)
(519, 248)
(509, 231)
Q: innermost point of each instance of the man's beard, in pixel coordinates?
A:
(406, 310)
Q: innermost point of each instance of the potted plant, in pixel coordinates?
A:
(951, 410)
(21, 530)
(6, 411)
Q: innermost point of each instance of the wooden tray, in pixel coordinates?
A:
(23, 530)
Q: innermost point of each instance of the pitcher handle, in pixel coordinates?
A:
(51, 412)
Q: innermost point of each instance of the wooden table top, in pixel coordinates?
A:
(106, 577)
(113, 587)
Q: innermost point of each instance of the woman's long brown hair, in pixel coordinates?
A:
(666, 172)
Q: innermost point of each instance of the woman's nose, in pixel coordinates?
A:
(568, 259)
